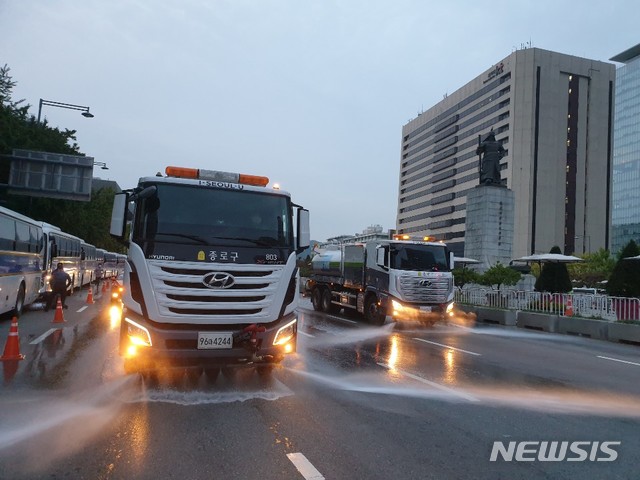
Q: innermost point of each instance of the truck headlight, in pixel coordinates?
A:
(138, 335)
(286, 332)
(397, 306)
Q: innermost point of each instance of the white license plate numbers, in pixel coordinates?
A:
(211, 341)
(425, 309)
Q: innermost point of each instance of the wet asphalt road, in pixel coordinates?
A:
(355, 402)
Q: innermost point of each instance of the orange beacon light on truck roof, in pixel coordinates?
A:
(195, 173)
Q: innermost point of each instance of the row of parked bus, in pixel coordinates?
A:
(30, 250)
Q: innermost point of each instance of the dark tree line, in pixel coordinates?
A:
(87, 220)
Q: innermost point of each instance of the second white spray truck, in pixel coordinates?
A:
(399, 278)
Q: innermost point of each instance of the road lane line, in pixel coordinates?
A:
(341, 319)
(466, 396)
(306, 334)
(330, 316)
(82, 309)
(304, 466)
(447, 346)
(43, 336)
(617, 360)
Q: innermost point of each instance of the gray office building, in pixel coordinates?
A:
(553, 114)
(626, 151)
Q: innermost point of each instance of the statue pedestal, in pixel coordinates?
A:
(489, 226)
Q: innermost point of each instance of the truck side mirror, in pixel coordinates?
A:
(119, 215)
(451, 260)
(381, 257)
(303, 232)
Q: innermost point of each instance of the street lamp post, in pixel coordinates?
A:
(85, 110)
(102, 165)
(588, 238)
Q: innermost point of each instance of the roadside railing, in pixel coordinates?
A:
(564, 304)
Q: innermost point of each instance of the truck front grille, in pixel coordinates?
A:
(437, 292)
(180, 289)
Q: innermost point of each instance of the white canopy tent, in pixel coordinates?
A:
(465, 261)
(549, 258)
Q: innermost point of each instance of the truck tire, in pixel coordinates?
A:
(327, 306)
(316, 299)
(372, 311)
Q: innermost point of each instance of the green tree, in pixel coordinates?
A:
(499, 275)
(625, 278)
(18, 129)
(463, 275)
(554, 277)
(87, 220)
(305, 266)
(593, 270)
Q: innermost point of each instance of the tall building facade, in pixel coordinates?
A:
(553, 114)
(626, 151)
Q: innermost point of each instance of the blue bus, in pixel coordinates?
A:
(21, 261)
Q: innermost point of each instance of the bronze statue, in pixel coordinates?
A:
(492, 152)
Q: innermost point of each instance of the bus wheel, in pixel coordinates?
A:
(17, 311)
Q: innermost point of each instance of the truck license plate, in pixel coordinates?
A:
(425, 309)
(211, 340)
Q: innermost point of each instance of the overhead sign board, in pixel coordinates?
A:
(52, 175)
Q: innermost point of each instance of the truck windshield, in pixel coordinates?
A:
(206, 216)
(419, 257)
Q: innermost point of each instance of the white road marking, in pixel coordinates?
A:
(617, 360)
(82, 309)
(447, 346)
(304, 466)
(466, 396)
(341, 319)
(43, 336)
(306, 334)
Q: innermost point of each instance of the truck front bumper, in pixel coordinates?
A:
(151, 345)
(429, 313)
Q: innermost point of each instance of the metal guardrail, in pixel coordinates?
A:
(563, 304)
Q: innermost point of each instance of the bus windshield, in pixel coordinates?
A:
(419, 257)
(204, 216)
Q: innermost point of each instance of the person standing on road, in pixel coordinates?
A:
(98, 274)
(60, 281)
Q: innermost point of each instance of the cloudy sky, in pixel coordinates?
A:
(311, 93)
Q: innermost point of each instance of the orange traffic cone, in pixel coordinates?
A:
(568, 309)
(90, 295)
(12, 347)
(59, 317)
